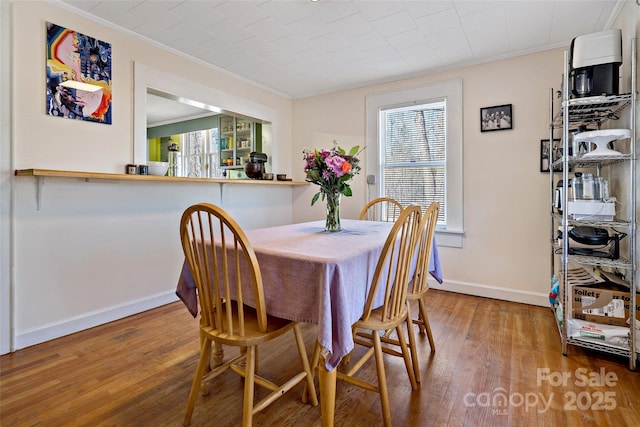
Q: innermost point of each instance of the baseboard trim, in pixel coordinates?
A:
(96, 318)
(91, 319)
(513, 295)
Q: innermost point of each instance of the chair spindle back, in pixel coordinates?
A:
(394, 264)
(424, 248)
(216, 248)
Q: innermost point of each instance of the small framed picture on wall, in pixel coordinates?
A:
(549, 153)
(499, 117)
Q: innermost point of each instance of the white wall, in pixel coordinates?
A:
(44, 141)
(505, 251)
(6, 322)
(100, 250)
(629, 21)
(96, 251)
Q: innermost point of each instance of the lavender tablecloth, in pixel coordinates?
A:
(316, 277)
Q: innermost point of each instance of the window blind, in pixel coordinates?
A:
(414, 155)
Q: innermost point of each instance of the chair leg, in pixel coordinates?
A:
(406, 355)
(302, 352)
(412, 344)
(218, 354)
(425, 319)
(315, 359)
(382, 380)
(316, 356)
(347, 358)
(203, 366)
(249, 380)
(256, 359)
(420, 323)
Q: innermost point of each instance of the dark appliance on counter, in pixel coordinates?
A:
(602, 245)
(255, 166)
(595, 64)
(173, 155)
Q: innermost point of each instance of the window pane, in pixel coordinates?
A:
(194, 143)
(214, 169)
(431, 152)
(193, 153)
(415, 155)
(194, 166)
(415, 135)
(418, 185)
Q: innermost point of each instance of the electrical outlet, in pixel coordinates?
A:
(371, 179)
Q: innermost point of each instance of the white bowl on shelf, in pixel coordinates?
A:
(601, 138)
(158, 168)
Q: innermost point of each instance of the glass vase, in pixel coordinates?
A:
(333, 212)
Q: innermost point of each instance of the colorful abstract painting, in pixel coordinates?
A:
(78, 76)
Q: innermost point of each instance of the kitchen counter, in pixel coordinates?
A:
(42, 173)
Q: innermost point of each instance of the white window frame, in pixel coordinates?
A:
(439, 104)
(451, 91)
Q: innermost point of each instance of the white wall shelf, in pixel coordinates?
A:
(41, 174)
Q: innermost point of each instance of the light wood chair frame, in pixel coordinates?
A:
(381, 209)
(419, 284)
(217, 250)
(391, 277)
(417, 290)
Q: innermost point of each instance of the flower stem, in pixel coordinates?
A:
(333, 212)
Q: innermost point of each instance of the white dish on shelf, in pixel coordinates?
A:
(158, 168)
(601, 138)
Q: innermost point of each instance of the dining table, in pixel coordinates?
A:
(313, 276)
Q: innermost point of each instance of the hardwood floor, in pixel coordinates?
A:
(137, 372)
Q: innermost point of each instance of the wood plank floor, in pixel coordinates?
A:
(137, 372)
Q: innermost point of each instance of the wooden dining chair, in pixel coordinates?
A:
(418, 286)
(227, 276)
(417, 290)
(381, 209)
(388, 288)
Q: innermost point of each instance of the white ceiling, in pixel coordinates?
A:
(301, 48)
(164, 108)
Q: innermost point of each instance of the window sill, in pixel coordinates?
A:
(450, 238)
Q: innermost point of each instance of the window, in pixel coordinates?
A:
(193, 145)
(414, 140)
(191, 153)
(200, 153)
